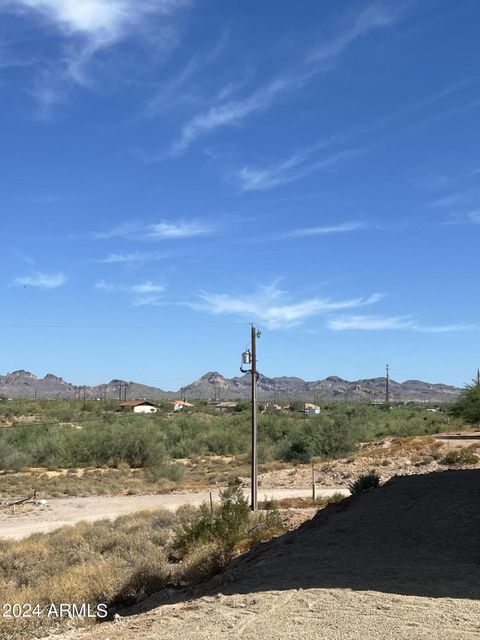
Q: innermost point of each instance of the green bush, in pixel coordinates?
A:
(364, 483)
(226, 526)
(467, 407)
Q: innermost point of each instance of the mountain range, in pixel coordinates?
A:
(214, 386)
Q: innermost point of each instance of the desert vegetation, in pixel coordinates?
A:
(467, 407)
(94, 449)
(122, 562)
(364, 483)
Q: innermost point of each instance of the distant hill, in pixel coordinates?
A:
(23, 384)
(211, 386)
(214, 385)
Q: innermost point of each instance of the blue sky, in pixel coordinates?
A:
(173, 170)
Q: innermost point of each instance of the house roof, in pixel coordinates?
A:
(309, 405)
(183, 403)
(135, 403)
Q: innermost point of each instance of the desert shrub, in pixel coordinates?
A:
(466, 455)
(201, 562)
(265, 524)
(364, 483)
(164, 471)
(335, 497)
(149, 576)
(325, 436)
(226, 526)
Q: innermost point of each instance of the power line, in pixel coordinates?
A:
(329, 355)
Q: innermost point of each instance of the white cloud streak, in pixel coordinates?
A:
(390, 323)
(144, 293)
(231, 113)
(345, 227)
(136, 257)
(378, 15)
(295, 167)
(272, 306)
(41, 280)
(163, 230)
(182, 88)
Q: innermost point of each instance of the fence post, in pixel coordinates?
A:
(314, 486)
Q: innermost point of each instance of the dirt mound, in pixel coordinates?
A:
(416, 535)
(399, 563)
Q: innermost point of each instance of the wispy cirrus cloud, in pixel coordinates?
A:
(233, 112)
(182, 88)
(274, 307)
(391, 323)
(143, 293)
(40, 280)
(345, 227)
(163, 230)
(136, 257)
(293, 168)
(462, 206)
(375, 16)
(457, 198)
(463, 218)
(85, 29)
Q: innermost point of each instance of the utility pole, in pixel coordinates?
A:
(84, 398)
(250, 357)
(478, 377)
(387, 384)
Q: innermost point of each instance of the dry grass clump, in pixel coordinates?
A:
(463, 456)
(203, 561)
(301, 503)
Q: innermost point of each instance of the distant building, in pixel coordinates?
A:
(272, 407)
(311, 409)
(226, 406)
(138, 406)
(180, 405)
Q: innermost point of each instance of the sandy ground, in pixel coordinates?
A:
(400, 563)
(67, 511)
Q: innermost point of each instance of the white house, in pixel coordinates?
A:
(311, 409)
(226, 406)
(179, 405)
(138, 406)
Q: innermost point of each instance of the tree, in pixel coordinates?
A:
(467, 406)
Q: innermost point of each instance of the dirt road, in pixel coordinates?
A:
(67, 511)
